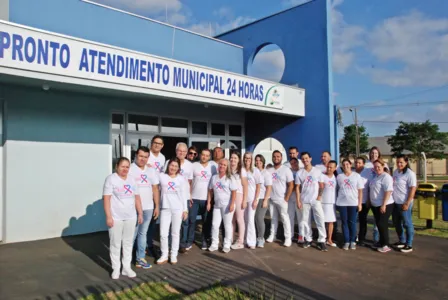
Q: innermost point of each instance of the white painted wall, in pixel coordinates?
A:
(61, 184)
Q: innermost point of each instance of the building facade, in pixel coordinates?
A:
(75, 95)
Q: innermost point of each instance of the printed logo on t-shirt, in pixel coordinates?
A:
(142, 180)
(347, 183)
(219, 186)
(125, 191)
(331, 183)
(275, 176)
(158, 166)
(250, 179)
(181, 172)
(171, 187)
(395, 179)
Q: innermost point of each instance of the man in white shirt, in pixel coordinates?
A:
(218, 154)
(294, 153)
(156, 158)
(148, 182)
(202, 174)
(325, 159)
(309, 190)
(282, 187)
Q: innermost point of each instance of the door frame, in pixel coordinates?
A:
(204, 139)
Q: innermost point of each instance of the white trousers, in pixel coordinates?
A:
(280, 208)
(121, 235)
(222, 214)
(170, 217)
(294, 213)
(249, 219)
(305, 225)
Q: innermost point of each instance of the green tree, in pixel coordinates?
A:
(418, 138)
(347, 146)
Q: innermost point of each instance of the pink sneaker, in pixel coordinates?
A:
(300, 239)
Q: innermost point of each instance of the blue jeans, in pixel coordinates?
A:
(403, 222)
(348, 216)
(189, 225)
(141, 234)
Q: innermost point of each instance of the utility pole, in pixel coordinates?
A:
(357, 130)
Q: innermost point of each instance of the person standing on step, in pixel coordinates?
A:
(240, 175)
(222, 190)
(349, 202)
(405, 185)
(309, 189)
(254, 181)
(382, 202)
(202, 174)
(263, 202)
(123, 209)
(174, 209)
(329, 199)
(148, 183)
(282, 187)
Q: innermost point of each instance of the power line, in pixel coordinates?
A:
(372, 103)
(442, 122)
(401, 104)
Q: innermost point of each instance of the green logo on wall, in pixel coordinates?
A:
(274, 97)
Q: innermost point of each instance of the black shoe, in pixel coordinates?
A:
(399, 245)
(306, 244)
(151, 252)
(361, 244)
(182, 250)
(204, 245)
(322, 247)
(406, 249)
(376, 245)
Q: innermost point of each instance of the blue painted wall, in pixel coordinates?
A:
(304, 35)
(92, 22)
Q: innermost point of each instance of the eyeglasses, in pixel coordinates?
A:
(192, 153)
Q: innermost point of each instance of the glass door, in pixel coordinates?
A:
(202, 143)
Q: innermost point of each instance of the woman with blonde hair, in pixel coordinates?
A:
(222, 190)
(263, 202)
(253, 192)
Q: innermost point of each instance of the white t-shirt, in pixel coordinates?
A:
(201, 180)
(293, 194)
(266, 180)
(379, 185)
(253, 178)
(280, 179)
(238, 178)
(369, 165)
(348, 187)
(309, 184)
(214, 166)
(366, 176)
(186, 170)
(402, 184)
(145, 179)
(288, 164)
(122, 192)
(329, 194)
(173, 192)
(222, 190)
(321, 167)
(156, 162)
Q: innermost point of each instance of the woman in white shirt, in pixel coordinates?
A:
(374, 155)
(293, 211)
(265, 193)
(222, 189)
(329, 199)
(240, 175)
(382, 202)
(121, 202)
(174, 209)
(405, 185)
(253, 192)
(349, 202)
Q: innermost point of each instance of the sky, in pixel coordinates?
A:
(390, 57)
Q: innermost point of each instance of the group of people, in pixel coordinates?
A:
(235, 193)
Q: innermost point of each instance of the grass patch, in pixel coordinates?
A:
(162, 290)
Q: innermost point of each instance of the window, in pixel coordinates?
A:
(118, 121)
(143, 123)
(174, 126)
(117, 147)
(199, 128)
(235, 130)
(218, 129)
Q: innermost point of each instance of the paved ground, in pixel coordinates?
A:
(69, 268)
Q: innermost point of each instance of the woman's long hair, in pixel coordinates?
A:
(263, 160)
(239, 166)
(251, 168)
(176, 160)
(406, 160)
(228, 170)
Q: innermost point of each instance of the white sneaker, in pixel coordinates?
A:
(237, 246)
(226, 249)
(212, 248)
(162, 260)
(270, 239)
(173, 260)
(287, 243)
(116, 274)
(128, 272)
